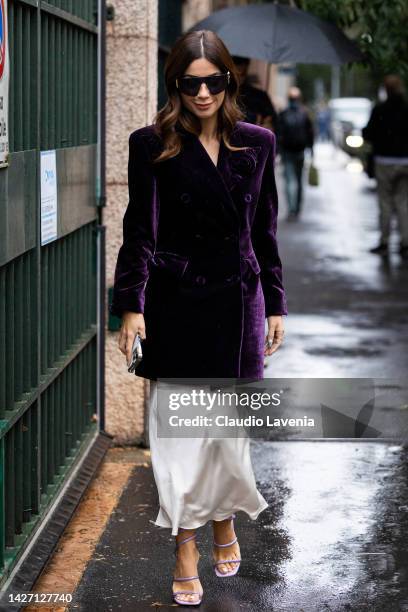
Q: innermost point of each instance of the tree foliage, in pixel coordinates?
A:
(379, 26)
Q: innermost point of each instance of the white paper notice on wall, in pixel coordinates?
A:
(4, 85)
(49, 202)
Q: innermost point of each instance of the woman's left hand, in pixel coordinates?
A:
(275, 334)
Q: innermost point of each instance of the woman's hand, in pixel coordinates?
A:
(132, 323)
(275, 334)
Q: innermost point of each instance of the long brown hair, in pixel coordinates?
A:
(187, 48)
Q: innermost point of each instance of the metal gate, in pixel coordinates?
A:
(49, 340)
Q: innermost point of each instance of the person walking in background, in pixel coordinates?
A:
(387, 130)
(323, 121)
(295, 134)
(254, 102)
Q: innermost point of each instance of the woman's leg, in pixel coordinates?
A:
(290, 181)
(187, 557)
(169, 467)
(224, 532)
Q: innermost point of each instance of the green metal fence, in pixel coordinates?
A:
(48, 294)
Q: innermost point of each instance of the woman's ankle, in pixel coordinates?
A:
(225, 525)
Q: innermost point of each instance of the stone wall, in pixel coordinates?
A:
(131, 102)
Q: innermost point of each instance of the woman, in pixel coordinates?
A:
(197, 273)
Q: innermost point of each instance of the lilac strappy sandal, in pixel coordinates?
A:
(237, 561)
(199, 594)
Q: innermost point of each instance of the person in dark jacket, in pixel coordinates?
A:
(254, 101)
(387, 130)
(295, 134)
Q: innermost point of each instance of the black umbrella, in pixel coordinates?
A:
(277, 34)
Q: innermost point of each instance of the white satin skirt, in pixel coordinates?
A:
(200, 479)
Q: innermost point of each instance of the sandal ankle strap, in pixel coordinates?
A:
(184, 579)
(185, 540)
(225, 545)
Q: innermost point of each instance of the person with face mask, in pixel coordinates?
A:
(254, 101)
(295, 134)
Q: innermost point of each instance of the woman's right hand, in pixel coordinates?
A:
(132, 323)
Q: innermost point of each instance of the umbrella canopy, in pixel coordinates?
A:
(278, 34)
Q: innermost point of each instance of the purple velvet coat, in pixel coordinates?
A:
(199, 256)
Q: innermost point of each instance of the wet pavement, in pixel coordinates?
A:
(334, 536)
(347, 307)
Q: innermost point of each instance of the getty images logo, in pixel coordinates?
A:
(335, 424)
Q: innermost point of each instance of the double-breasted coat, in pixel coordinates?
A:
(200, 256)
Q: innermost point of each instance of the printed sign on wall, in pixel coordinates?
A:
(49, 201)
(4, 85)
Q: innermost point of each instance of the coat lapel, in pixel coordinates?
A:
(223, 178)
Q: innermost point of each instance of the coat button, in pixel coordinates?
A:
(232, 279)
(200, 280)
(248, 197)
(185, 197)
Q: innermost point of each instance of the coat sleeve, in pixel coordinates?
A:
(264, 238)
(139, 232)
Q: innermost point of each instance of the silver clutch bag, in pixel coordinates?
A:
(137, 354)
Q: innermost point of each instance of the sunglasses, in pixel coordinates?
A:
(191, 85)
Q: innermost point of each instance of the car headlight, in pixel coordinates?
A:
(354, 141)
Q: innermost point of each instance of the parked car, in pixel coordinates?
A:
(348, 116)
